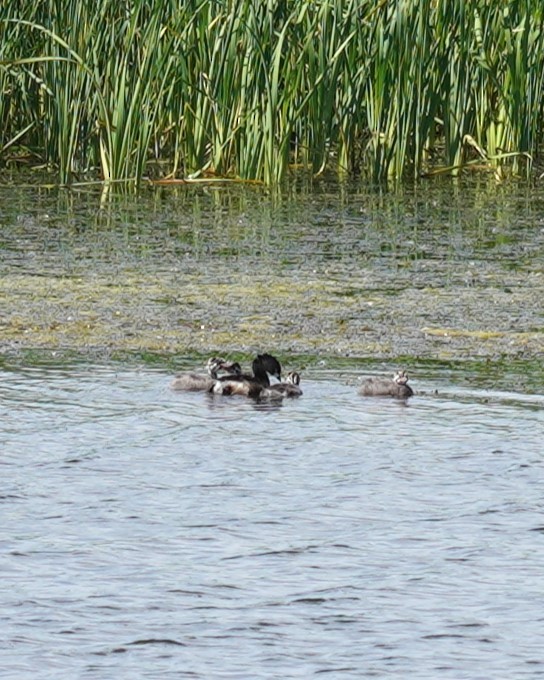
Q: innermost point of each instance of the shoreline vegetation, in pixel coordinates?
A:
(246, 90)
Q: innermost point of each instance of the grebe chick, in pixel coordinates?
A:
(387, 387)
(291, 386)
(251, 385)
(233, 370)
(194, 382)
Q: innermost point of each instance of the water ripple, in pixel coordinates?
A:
(145, 531)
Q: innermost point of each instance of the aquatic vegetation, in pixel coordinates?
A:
(138, 312)
(246, 89)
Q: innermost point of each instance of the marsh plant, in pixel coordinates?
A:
(249, 88)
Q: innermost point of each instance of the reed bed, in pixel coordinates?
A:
(247, 89)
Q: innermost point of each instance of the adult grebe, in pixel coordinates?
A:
(251, 385)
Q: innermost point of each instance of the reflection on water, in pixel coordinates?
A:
(483, 227)
(149, 533)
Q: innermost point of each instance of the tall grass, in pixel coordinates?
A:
(385, 88)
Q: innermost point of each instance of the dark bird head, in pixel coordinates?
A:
(270, 364)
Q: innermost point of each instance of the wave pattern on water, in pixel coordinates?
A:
(147, 533)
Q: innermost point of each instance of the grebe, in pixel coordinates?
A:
(291, 386)
(254, 385)
(387, 387)
(194, 382)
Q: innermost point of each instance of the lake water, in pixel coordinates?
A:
(155, 534)
(146, 533)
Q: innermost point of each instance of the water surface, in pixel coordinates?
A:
(147, 533)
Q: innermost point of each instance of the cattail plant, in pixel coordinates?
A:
(248, 89)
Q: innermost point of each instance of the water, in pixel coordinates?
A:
(448, 271)
(153, 534)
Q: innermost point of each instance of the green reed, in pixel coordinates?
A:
(249, 88)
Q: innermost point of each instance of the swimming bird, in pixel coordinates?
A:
(387, 387)
(291, 386)
(194, 382)
(255, 384)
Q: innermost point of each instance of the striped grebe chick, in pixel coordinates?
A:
(387, 387)
(291, 386)
(195, 382)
